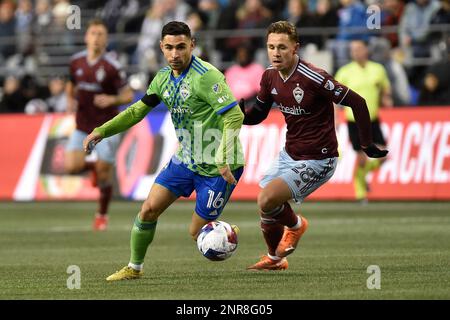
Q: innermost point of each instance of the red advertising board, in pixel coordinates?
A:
(417, 167)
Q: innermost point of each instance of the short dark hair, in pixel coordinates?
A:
(176, 28)
(97, 22)
(284, 27)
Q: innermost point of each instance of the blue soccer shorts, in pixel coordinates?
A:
(212, 192)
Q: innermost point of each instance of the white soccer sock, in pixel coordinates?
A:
(137, 267)
(298, 225)
(273, 257)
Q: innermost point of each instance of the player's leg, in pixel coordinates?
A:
(104, 174)
(173, 181)
(213, 194)
(74, 159)
(359, 175)
(304, 178)
(274, 194)
(104, 170)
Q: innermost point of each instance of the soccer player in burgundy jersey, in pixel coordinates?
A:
(96, 88)
(305, 95)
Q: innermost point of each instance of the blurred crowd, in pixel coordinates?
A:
(415, 51)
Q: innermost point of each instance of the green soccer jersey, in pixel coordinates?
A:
(196, 99)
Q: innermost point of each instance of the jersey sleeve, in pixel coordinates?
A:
(154, 88)
(264, 89)
(332, 88)
(215, 91)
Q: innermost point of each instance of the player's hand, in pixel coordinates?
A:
(104, 100)
(373, 151)
(90, 141)
(227, 174)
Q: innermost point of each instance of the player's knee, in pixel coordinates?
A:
(266, 202)
(149, 212)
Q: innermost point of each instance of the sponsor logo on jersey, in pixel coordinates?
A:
(180, 109)
(298, 94)
(223, 98)
(184, 91)
(295, 110)
(338, 91)
(329, 85)
(217, 88)
(100, 74)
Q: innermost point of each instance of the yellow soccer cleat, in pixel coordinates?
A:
(126, 273)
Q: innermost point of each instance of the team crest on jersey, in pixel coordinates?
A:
(100, 74)
(329, 85)
(217, 88)
(166, 94)
(298, 94)
(184, 91)
(79, 72)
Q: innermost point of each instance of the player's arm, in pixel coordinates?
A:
(258, 113)
(71, 100)
(362, 120)
(232, 123)
(124, 96)
(255, 114)
(123, 121)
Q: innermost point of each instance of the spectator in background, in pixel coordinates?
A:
(12, 101)
(43, 17)
(298, 15)
(241, 76)
(57, 101)
(351, 15)
(325, 16)
(114, 10)
(436, 84)
(382, 53)
(24, 20)
(414, 34)
(370, 81)
(442, 16)
(147, 51)
(252, 14)
(392, 11)
(7, 29)
(210, 9)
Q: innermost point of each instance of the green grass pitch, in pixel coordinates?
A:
(410, 242)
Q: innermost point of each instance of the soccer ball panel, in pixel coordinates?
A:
(217, 240)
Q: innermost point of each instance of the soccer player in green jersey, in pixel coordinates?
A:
(207, 120)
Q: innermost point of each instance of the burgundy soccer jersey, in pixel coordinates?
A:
(104, 76)
(306, 100)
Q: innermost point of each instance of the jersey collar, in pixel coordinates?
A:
(183, 74)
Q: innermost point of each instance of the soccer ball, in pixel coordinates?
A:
(217, 240)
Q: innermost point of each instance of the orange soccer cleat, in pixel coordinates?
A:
(100, 222)
(290, 239)
(268, 264)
